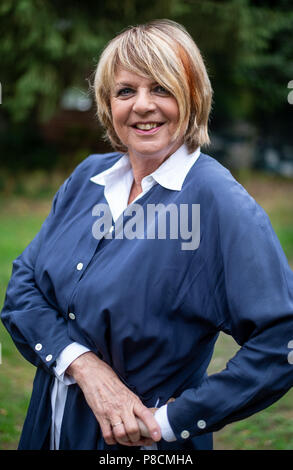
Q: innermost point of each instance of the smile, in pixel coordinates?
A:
(147, 128)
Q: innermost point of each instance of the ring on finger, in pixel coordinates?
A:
(116, 424)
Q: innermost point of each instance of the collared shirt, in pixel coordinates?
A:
(117, 181)
(151, 307)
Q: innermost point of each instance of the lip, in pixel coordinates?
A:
(154, 130)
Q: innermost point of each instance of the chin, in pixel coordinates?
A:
(151, 150)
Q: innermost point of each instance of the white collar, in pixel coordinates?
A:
(119, 168)
(170, 174)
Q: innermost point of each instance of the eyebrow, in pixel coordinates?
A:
(119, 84)
(122, 84)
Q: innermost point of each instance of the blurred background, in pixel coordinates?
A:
(48, 53)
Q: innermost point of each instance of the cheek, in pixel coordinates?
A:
(119, 118)
(115, 114)
(172, 111)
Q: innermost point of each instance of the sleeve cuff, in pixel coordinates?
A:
(65, 358)
(162, 420)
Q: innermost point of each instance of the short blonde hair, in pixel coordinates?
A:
(164, 51)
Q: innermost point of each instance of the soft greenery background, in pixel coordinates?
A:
(20, 219)
(48, 47)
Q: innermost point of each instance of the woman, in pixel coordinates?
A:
(119, 321)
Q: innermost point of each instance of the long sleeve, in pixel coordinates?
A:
(37, 327)
(65, 358)
(251, 292)
(162, 420)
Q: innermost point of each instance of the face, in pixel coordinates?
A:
(145, 116)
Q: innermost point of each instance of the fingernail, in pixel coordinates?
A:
(155, 435)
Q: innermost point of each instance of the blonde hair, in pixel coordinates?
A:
(164, 51)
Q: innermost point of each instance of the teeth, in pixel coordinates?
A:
(147, 127)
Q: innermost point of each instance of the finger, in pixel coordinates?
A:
(143, 429)
(107, 432)
(148, 419)
(121, 436)
(119, 432)
(132, 428)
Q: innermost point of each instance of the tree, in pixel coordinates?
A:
(48, 46)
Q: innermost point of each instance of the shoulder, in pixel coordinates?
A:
(223, 200)
(90, 166)
(96, 163)
(211, 176)
(216, 183)
(80, 177)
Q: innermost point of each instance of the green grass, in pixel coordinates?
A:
(21, 218)
(270, 429)
(16, 374)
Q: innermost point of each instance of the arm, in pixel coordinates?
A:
(37, 328)
(251, 285)
(39, 331)
(65, 358)
(112, 402)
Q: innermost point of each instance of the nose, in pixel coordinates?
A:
(143, 102)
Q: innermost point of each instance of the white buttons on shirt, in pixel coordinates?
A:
(149, 179)
(79, 266)
(185, 434)
(49, 357)
(71, 316)
(201, 424)
(111, 229)
(38, 347)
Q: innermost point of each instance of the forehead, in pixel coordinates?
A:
(127, 77)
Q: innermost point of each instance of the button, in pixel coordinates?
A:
(71, 316)
(49, 357)
(201, 424)
(149, 179)
(111, 229)
(79, 266)
(38, 347)
(185, 434)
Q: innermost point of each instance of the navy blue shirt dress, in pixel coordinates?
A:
(153, 311)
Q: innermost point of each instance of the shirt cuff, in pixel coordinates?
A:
(65, 358)
(162, 419)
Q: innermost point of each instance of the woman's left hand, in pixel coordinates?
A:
(142, 427)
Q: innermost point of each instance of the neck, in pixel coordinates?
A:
(143, 165)
(142, 168)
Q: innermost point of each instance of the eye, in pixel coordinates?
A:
(124, 92)
(160, 89)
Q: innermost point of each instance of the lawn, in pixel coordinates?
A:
(20, 220)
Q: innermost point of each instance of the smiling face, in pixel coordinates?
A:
(145, 116)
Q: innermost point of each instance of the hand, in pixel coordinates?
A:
(115, 407)
(143, 429)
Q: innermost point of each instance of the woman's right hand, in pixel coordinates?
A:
(115, 407)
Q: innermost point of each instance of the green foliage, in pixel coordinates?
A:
(248, 47)
(48, 46)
